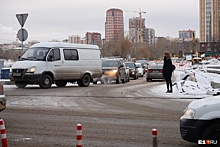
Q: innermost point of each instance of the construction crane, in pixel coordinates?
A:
(140, 13)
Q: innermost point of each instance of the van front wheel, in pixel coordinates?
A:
(45, 82)
(20, 84)
(85, 81)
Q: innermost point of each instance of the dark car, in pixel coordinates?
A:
(133, 71)
(2, 98)
(113, 69)
(154, 71)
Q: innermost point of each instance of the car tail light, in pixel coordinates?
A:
(149, 70)
(161, 70)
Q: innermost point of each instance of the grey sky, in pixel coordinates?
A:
(58, 19)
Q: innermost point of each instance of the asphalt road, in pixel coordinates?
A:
(112, 115)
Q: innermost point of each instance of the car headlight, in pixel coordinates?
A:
(114, 70)
(31, 69)
(188, 114)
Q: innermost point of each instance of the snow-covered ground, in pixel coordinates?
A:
(199, 84)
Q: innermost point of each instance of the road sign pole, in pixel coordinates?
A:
(22, 36)
(22, 41)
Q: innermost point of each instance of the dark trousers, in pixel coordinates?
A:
(169, 83)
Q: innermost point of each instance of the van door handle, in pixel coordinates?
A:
(56, 65)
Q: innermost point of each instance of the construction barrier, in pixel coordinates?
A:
(154, 135)
(79, 135)
(3, 133)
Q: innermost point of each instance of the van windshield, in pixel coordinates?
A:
(36, 53)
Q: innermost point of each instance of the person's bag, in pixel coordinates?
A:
(173, 67)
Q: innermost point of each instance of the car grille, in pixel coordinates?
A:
(105, 70)
(18, 72)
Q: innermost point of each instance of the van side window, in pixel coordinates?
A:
(70, 54)
(55, 54)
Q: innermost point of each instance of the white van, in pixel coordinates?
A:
(200, 122)
(59, 63)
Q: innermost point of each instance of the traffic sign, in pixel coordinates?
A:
(22, 35)
(22, 18)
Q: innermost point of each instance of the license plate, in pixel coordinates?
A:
(17, 74)
(155, 71)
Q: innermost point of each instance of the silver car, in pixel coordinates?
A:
(154, 71)
(140, 69)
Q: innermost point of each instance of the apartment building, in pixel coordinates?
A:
(74, 39)
(93, 38)
(209, 24)
(136, 27)
(114, 25)
(187, 34)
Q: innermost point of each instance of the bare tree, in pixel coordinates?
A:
(123, 48)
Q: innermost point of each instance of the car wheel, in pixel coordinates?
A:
(212, 132)
(85, 81)
(45, 82)
(128, 78)
(124, 79)
(21, 84)
(61, 83)
(147, 79)
(135, 77)
(118, 79)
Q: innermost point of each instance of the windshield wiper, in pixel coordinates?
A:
(32, 58)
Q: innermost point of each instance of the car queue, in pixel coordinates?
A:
(118, 70)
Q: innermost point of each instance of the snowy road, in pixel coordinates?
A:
(116, 115)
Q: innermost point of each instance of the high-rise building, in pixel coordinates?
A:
(148, 34)
(114, 25)
(94, 38)
(209, 23)
(135, 28)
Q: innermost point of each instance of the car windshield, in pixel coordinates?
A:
(111, 63)
(155, 66)
(36, 54)
(138, 65)
(130, 65)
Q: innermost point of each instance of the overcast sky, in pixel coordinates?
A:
(58, 19)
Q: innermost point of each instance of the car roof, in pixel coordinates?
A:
(66, 45)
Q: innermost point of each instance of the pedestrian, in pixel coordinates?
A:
(167, 71)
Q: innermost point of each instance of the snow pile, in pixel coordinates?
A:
(198, 83)
(193, 81)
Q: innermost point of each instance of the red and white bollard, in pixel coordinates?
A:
(3, 133)
(79, 135)
(154, 135)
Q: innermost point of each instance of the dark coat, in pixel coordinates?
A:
(167, 68)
